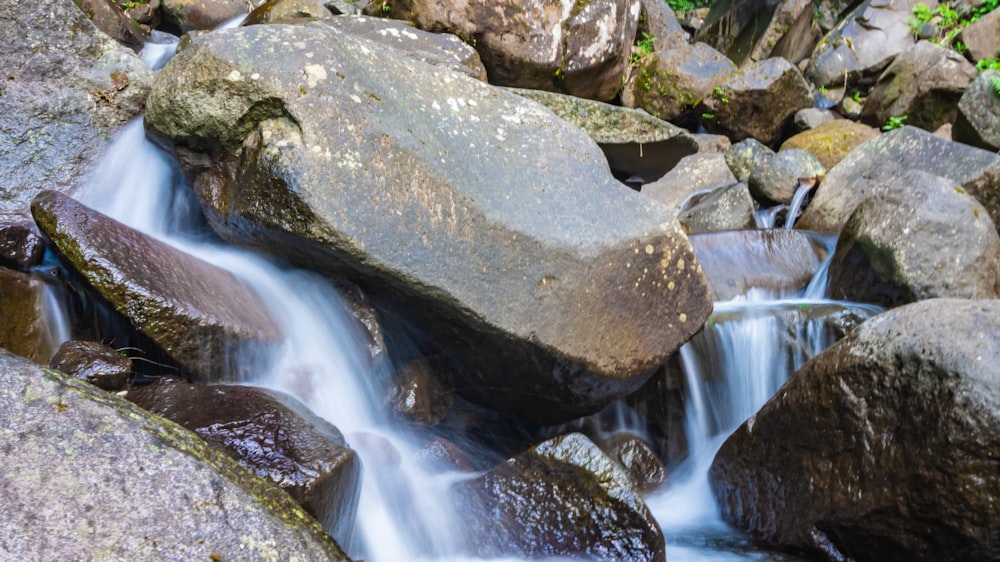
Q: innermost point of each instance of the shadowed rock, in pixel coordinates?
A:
(24, 329)
(86, 475)
(200, 314)
(93, 362)
(474, 213)
(978, 120)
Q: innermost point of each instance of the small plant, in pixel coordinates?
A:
(720, 93)
(708, 116)
(856, 97)
(894, 123)
(645, 44)
(822, 89)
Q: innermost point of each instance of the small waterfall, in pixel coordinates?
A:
(795, 207)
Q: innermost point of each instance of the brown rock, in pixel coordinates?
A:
(93, 362)
(831, 141)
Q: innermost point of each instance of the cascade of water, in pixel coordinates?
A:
(795, 207)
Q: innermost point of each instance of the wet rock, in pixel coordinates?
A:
(812, 117)
(21, 245)
(563, 497)
(980, 37)
(757, 102)
(644, 468)
(544, 321)
(274, 436)
(754, 31)
(746, 156)
(780, 262)
(24, 330)
(923, 83)
(440, 454)
(658, 21)
(660, 404)
(287, 11)
(136, 486)
(899, 245)
(864, 43)
(422, 392)
(832, 141)
(110, 19)
(858, 175)
(185, 15)
(778, 179)
(891, 455)
(669, 83)
(66, 89)
(691, 175)
(145, 13)
(438, 49)
(199, 314)
(635, 142)
(978, 119)
(576, 48)
(729, 207)
(93, 362)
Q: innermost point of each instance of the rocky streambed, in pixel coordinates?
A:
(429, 268)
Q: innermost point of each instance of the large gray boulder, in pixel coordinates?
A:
(85, 475)
(562, 497)
(693, 174)
(860, 174)
(578, 48)
(917, 237)
(635, 143)
(668, 83)
(66, 88)
(923, 83)
(475, 213)
(980, 38)
(978, 119)
(201, 315)
(864, 43)
(883, 447)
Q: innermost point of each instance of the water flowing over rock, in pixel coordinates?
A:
(757, 102)
(478, 215)
(864, 43)
(859, 174)
(923, 83)
(186, 15)
(66, 88)
(24, 330)
(115, 481)
(636, 143)
(199, 314)
(579, 48)
(918, 237)
(93, 362)
(832, 141)
(669, 83)
(778, 179)
(563, 497)
(274, 436)
(780, 261)
(978, 120)
(883, 447)
(691, 175)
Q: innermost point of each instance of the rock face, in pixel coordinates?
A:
(24, 329)
(199, 314)
(287, 11)
(669, 83)
(778, 179)
(21, 246)
(275, 437)
(659, 21)
(93, 362)
(883, 447)
(864, 43)
(924, 83)
(981, 37)
(578, 48)
(832, 141)
(203, 14)
(729, 207)
(857, 176)
(120, 483)
(917, 237)
(635, 143)
(67, 87)
(557, 296)
(110, 19)
(692, 174)
(758, 101)
(978, 120)
(753, 31)
(779, 261)
(563, 497)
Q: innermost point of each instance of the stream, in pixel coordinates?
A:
(748, 348)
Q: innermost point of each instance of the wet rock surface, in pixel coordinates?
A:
(99, 461)
(24, 330)
(66, 88)
(899, 245)
(93, 362)
(893, 443)
(274, 436)
(644, 467)
(552, 321)
(852, 180)
(21, 245)
(563, 497)
(200, 314)
(185, 15)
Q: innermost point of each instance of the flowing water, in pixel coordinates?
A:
(749, 348)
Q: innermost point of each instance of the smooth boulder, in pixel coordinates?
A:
(883, 447)
(200, 314)
(94, 362)
(118, 482)
(511, 245)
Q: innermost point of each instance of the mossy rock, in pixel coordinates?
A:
(830, 142)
